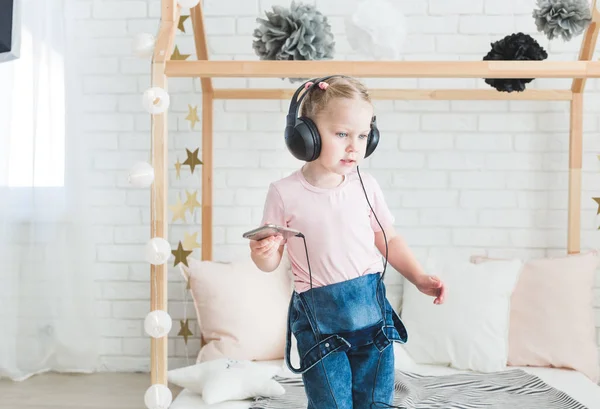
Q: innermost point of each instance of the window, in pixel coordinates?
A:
(32, 106)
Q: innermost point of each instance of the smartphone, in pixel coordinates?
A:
(269, 230)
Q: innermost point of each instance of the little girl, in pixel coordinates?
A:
(339, 313)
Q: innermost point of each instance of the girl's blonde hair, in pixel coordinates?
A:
(338, 87)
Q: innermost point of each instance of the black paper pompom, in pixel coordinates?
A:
(515, 47)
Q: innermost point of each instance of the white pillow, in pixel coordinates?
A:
(223, 380)
(402, 360)
(470, 330)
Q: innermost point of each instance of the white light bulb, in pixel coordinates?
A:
(156, 100)
(158, 396)
(158, 323)
(143, 45)
(141, 175)
(158, 251)
(188, 3)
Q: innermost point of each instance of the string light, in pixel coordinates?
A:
(157, 251)
(141, 175)
(143, 45)
(158, 323)
(156, 100)
(158, 396)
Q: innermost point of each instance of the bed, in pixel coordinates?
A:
(573, 383)
(165, 65)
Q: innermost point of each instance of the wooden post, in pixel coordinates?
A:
(588, 45)
(575, 158)
(158, 204)
(169, 11)
(207, 134)
(586, 53)
(207, 175)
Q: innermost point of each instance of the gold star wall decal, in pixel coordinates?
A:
(192, 115)
(178, 169)
(192, 159)
(191, 201)
(181, 21)
(181, 255)
(178, 210)
(597, 200)
(190, 241)
(185, 330)
(178, 56)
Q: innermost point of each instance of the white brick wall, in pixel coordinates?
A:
(466, 176)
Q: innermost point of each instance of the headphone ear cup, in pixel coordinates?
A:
(314, 138)
(373, 139)
(303, 140)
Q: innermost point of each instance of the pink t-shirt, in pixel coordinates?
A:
(338, 225)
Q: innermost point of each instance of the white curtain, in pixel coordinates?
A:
(46, 242)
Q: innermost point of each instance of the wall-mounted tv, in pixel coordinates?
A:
(10, 29)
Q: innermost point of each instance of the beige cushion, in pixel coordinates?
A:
(241, 310)
(552, 314)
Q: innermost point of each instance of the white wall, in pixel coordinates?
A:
(472, 176)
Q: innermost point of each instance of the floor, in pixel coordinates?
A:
(95, 391)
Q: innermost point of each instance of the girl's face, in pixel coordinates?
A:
(344, 127)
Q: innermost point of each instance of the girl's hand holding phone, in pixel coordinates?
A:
(266, 247)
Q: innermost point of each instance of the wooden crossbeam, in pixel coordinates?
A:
(385, 69)
(411, 94)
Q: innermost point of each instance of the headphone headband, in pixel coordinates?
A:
(295, 102)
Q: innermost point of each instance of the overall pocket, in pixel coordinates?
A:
(311, 349)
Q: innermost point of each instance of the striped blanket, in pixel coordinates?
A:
(499, 390)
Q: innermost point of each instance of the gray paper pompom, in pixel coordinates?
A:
(565, 18)
(298, 33)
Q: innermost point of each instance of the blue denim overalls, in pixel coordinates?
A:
(357, 326)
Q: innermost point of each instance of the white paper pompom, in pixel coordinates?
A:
(376, 28)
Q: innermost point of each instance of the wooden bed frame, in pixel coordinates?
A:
(163, 68)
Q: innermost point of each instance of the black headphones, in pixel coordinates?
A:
(301, 134)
